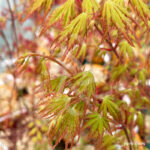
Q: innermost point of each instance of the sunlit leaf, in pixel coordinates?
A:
(90, 6)
(142, 10)
(77, 26)
(80, 52)
(115, 14)
(65, 12)
(37, 5)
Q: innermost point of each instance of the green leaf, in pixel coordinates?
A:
(140, 120)
(44, 70)
(39, 135)
(118, 71)
(126, 49)
(115, 14)
(80, 52)
(64, 12)
(134, 71)
(142, 76)
(90, 6)
(109, 142)
(77, 26)
(85, 82)
(31, 124)
(96, 123)
(54, 106)
(142, 10)
(109, 105)
(145, 100)
(120, 2)
(67, 124)
(37, 5)
(33, 131)
(56, 84)
(80, 107)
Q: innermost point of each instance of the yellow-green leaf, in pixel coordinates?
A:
(90, 6)
(65, 12)
(77, 26)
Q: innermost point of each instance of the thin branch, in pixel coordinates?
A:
(50, 58)
(110, 44)
(127, 136)
(5, 40)
(13, 24)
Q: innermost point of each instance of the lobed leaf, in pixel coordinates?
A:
(85, 82)
(140, 120)
(109, 142)
(115, 14)
(37, 5)
(142, 76)
(142, 10)
(126, 49)
(118, 71)
(56, 84)
(54, 105)
(44, 70)
(109, 105)
(96, 123)
(65, 126)
(90, 6)
(64, 12)
(80, 52)
(77, 26)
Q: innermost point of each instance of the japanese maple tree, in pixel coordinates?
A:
(75, 104)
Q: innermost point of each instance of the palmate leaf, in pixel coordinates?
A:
(109, 142)
(110, 106)
(77, 26)
(126, 49)
(44, 70)
(90, 6)
(80, 107)
(65, 126)
(140, 120)
(45, 76)
(85, 82)
(115, 14)
(64, 12)
(56, 84)
(38, 4)
(96, 123)
(120, 2)
(142, 76)
(118, 71)
(54, 105)
(80, 52)
(142, 9)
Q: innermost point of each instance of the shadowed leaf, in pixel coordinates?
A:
(85, 82)
(96, 123)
